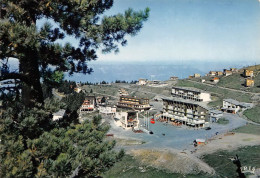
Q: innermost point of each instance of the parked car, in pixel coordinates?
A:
(208, 128)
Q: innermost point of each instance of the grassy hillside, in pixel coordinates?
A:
(248, 156)
(253, 114)
(218, 94)
(236, 81)
(130, 167)
(249, 129)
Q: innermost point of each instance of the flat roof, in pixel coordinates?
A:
(188, 102)
(132, 97)
(235, 102)
(189, 89)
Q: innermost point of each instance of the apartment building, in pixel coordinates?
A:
(191, 94)
(188, 113)
(133, 103)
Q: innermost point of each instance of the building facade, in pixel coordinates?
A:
(127, 119)
(227, 72)
(188, 113)
(248, 73)
(133, 103)
(215, 115)
(89, 104)
(233, 106)
(191, 94)
(249, 83)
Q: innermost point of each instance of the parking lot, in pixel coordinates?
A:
(169, 136)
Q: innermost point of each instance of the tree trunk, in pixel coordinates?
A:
(32, 91)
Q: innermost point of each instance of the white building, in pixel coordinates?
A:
(215, 115)
(233, 106)
(58, 115)
(127, 119)
(191, 94)
(109, 110)
(142, 81)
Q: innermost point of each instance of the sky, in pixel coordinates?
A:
(192, 30)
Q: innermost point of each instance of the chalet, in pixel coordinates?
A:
(248, 73)
(185, 112)
(219, 73)
(142, 81)
(215, 79)
(191, 76)
(233, 106)
(249, 83)
(212, 73)
(127, 119)
(190, 93)
(196, 75)
(58, 115)
(234, 70)
(227, 72)
(133, 103)
(89, 104)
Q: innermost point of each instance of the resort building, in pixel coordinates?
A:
(227, 72)
(212, 73)
(219, 73)
(190, 93)
(215, 115)
(133, 103)
(89, 104)
(142, 81)
(249, 83)
(248, 73)
(108, 110)
(196, 75)
(215, 79)
(233, 106)
(187, 113)
(127, 119)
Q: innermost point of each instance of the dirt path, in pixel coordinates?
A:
(188, 161)
(227, 142)
(172, 160)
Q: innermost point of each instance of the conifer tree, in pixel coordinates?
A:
(38, 48)
(31, 143)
